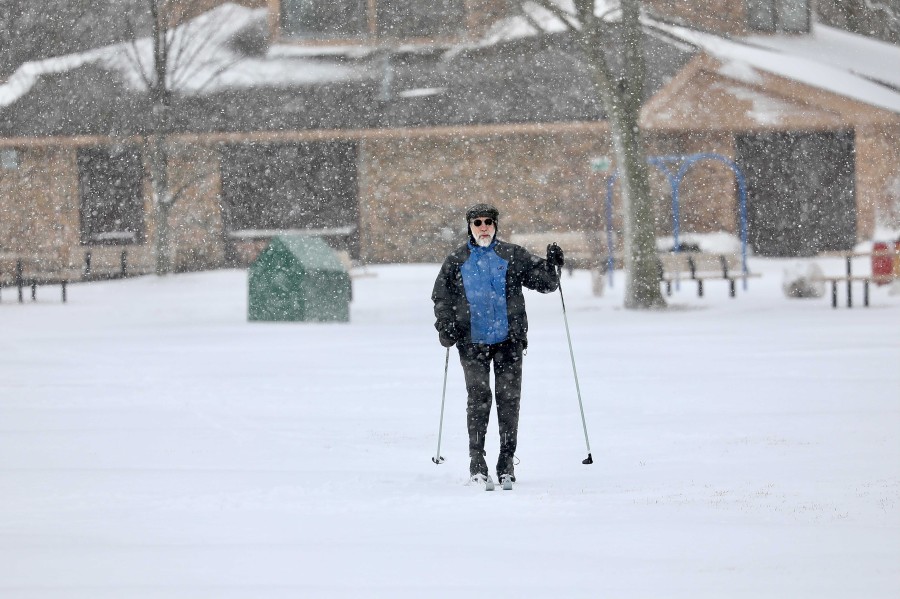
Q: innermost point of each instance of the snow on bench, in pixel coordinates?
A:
(701, 266)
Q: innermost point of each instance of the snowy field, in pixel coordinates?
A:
(154, 444)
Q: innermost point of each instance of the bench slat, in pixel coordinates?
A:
(33, 270)
(700, 267)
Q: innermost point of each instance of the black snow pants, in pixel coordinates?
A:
(476, 362)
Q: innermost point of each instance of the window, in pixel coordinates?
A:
(9, 159)
(323, 19)
(794, 16)
(280, 186)
(112, 203)
(791, 16)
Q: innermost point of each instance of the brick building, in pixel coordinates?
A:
(375, 127)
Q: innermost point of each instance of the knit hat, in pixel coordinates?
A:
(481, 210)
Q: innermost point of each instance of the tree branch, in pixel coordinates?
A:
(133, 55)
(190, 47)
(568, 20)
(893, 21)
(182, 189)
(520, 9)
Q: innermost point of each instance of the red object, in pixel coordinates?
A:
(887, 264)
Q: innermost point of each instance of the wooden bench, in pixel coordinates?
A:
(107, 262)
(675, 267)
(849, 279)
(34, 270)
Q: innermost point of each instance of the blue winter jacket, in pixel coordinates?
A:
(484, 281)
(476, 287)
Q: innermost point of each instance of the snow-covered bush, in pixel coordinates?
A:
(800, 281)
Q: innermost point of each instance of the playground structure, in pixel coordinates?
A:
(685, 163)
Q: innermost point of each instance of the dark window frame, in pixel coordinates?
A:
(772, 16)
(356, 11)
(10, 159)
(111, 214)
(290, 186)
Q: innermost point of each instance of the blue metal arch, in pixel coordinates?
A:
(687, 161)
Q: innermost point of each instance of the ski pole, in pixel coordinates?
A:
(437, 459)
(589, 459)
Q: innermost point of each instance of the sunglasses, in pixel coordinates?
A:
(488, 221)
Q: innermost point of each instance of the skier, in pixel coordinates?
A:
(479, 307)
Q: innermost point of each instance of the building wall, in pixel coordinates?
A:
(720, 16)
(198, 235)
(39, 204)
(704, 102)
(708, 198)
(414, 192)
(877, 178)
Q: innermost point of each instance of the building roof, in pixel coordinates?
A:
(835, 61)
(236, 83)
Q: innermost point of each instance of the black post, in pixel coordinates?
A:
(19, 281)
(124, 263)
(87, 264)
(834, 293)
(63, 284)
(866, 293)
(849, 284)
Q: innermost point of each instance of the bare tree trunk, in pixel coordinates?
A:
(159, 178)
(175, 52)
(622, 100)
(159, 159)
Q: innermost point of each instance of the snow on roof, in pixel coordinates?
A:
(843, 63)
(200, 53)
(20, 82)
(870, 58)
(840, 62)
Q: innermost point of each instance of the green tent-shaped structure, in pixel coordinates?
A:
(298, 278)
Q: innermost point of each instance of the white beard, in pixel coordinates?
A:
(484, 241)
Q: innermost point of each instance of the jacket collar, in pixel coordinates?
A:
(477, 248)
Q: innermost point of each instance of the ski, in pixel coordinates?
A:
(480, 479)
(506, 482)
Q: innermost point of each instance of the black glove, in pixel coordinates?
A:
(447, 334)
(555, 255)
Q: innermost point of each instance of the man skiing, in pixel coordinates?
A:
(479, 307)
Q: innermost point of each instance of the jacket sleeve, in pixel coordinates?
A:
(539, 275)
(442, 296)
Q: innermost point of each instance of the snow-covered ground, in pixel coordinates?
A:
(153, 443)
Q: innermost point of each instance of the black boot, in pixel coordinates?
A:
(477, 465)
(505, 467)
